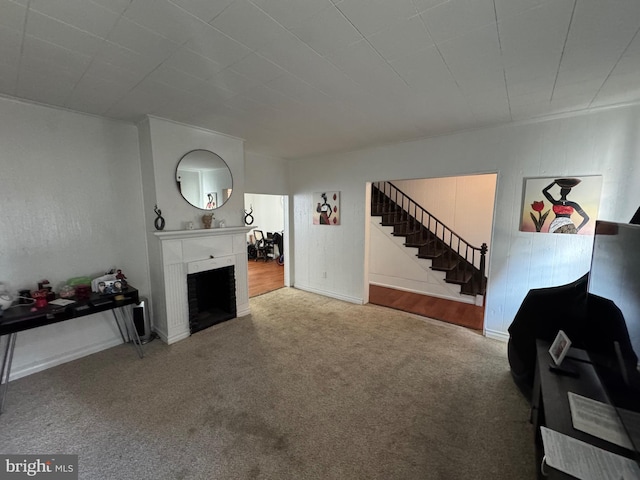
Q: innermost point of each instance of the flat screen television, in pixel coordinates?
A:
(614, 288)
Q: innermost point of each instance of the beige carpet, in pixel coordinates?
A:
(306, 387)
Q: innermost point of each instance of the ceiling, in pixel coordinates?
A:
(296, 78)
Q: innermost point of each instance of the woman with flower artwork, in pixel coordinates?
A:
(563, 208)
(324, 210)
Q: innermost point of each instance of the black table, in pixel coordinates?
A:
(550, 402)
(20, 318)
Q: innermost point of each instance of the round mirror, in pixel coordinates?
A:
(204, 179)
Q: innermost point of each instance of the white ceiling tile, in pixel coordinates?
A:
(54, 31)
(37, 52)
(164, 18)
(598, 37)
(584, 89)
(193, 63)
(173, 78)
(511, 8)
(290, 13)
(371, 16)
(249, 25)
(47, 84)
(536, 38)
(297, 89)
(101, 71)
(215, 45)
(402, 38)
(313, 31)
(116, 6)
(490, 106)
(206, 10)
(233, 81)
(362, 63)
(300, 60)
(124, 59)
(257, 67)
(619, 88)
(457, 17)
(212, 92)
(423, 5)
(8, 78)
(82, 14)
(95, 95)
(481, 44)
(520, 82)
(474, 59)
(10, 43)
(148, 43)
(273, 98)
(12, 15)
(423, 70)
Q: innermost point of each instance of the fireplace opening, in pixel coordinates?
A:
(212, 297)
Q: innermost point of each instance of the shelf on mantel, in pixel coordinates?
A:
(201, 232)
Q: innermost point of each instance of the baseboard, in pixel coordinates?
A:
(174, 338)
(496, 335)
(66, 357)
(326, 293)
(462, 299)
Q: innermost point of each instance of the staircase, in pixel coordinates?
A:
(462, 263)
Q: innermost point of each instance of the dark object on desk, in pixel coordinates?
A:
(592, 322)
(564, 370)
(543, 312)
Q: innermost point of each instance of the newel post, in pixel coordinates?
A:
(483, 257)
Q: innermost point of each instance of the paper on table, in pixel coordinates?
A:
(598, 419)
(62, 302)
(585, 461)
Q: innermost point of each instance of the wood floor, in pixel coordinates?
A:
(264, 277)
(268, 276)
(464, 314)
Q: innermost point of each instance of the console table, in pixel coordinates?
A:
(19, 318)
(550, 403)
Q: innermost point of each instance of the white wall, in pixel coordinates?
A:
(464, 203)
(163, 143)
(71, 206)
(264, 174)
(604, 143)
(268, 211)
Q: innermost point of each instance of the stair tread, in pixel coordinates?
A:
(458, 277)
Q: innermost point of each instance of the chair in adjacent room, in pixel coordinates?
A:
(264, 246)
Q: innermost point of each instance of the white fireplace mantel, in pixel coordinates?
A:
(174, 253)
(175, 234)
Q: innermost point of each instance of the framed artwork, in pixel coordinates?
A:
(326, 208)
(561, 204)
(211, 201)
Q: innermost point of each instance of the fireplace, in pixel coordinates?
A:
(212, 297)
(215, 257)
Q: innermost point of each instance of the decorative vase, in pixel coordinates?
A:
(207, 219)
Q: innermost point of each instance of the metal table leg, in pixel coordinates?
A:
(129, 326)
(6, 367)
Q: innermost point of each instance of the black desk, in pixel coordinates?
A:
(20, 318)
(550, 403)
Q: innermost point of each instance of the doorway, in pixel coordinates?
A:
(269, 215)
(406, 277)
